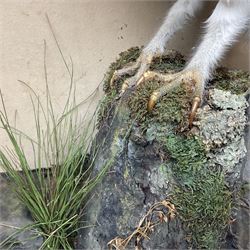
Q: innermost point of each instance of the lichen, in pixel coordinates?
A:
(229, 156)
(221, 126)
(226, 100)
(159, 178)
(222, 120)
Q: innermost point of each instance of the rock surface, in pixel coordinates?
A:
(144, 172)
(136, 181)
(14, 215)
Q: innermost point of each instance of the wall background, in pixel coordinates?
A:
(92, 33)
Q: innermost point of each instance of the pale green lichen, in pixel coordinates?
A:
(221, 126)
(229, 156)
(226, 100)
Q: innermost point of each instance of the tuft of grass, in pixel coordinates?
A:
(201, 197)
(56, 199)
(57, 189)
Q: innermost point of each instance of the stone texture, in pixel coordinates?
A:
(13, 215)
(221, 126)
(141, 177)
(136, 181)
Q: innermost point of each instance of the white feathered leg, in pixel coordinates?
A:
(228, 20)
(177, 16)
(174, 21)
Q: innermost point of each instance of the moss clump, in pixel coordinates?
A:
(174, 106)
(124, 58)
(236, 81)
(172, 61)
(201, 197)
(111, 92)
(172, 109)
(105, 106)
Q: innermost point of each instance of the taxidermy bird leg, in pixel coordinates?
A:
(178, 15)
(229, 18)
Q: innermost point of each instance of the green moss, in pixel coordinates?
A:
(171, 109)
(201, 197)
(172, 61)
(111, 92)
(236, 81)
(124, 58)
(105, 106)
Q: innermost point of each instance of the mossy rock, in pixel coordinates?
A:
(159, 157)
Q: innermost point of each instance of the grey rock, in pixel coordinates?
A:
(14, 215)
(136, 181)
(139, 177)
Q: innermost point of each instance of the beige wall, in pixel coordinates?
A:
(92, 33)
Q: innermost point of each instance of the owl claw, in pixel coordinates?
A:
(113, 79)
(191, 78)
(153, 100)
(195, 106)
(172, 81)
(146, 76)
(125, 86)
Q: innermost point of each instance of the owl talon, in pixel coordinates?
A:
(153, 100)
(130, 69)
(113, 79)
(148, 75)
(195, 106)
(189, 78)
(125, 86)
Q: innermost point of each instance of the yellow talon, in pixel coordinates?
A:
(142, 79)
(195, 106)
(125, 86)
(146, 76)
(153, 100)
(111, 84)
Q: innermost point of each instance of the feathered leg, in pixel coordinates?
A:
(178, 15)
(228, 20)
